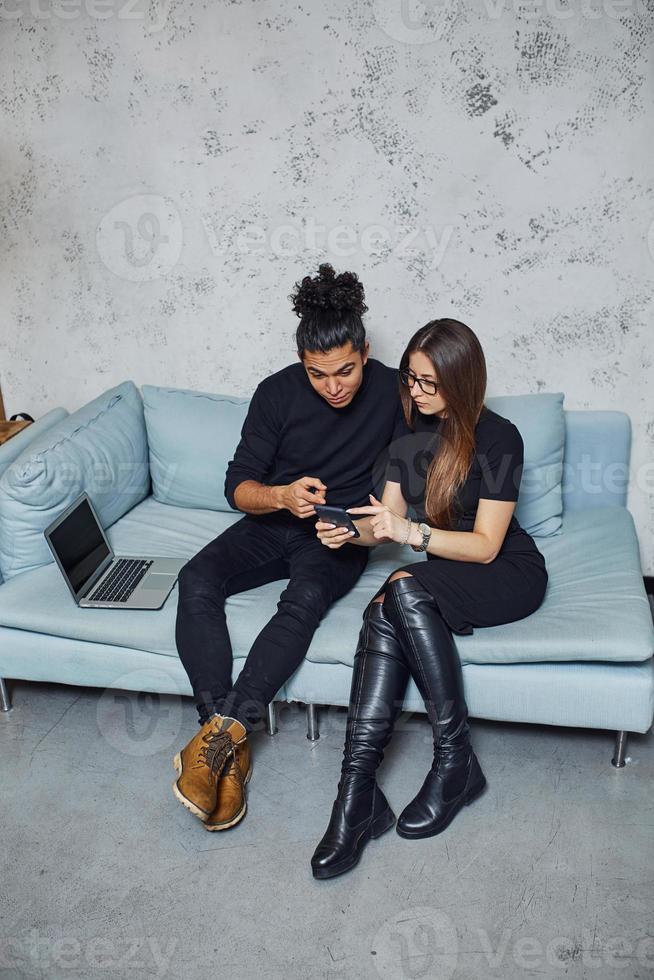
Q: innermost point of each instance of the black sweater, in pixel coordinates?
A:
(291, 431)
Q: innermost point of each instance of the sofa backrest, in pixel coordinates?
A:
(573, 459)
(541, 423)
(192, 436)
(103, 449)
(596, 459)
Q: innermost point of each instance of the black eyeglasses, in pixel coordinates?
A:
(408, 378)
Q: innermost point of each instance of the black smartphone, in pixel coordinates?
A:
(336, 515)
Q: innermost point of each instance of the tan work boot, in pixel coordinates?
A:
(201, 762)
(231, 804)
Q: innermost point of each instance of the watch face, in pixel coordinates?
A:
(426, 534)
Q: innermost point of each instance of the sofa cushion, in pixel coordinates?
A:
(40, 600)
(541, 421)
(594, 609)
(100, 449)
(192, 436)
(596, 460)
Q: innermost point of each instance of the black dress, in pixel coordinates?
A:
(470, 593)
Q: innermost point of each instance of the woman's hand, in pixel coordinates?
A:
(332, 536)
(384, 522)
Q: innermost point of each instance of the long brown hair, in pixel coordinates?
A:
(460, 367)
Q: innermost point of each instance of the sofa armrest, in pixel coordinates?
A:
(11, 450)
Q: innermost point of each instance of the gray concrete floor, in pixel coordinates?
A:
(104, 874)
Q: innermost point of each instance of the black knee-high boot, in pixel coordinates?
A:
(455, 778)
(361, 811)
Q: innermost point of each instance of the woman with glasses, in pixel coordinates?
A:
(459, 465)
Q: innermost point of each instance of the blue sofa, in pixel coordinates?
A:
(153, 462)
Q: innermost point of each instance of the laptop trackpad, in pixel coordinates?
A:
(156, 580)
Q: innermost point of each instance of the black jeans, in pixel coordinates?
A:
(253, 551)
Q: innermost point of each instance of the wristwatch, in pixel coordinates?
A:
(425, 530)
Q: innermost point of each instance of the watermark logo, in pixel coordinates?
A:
(136, 722)
(140, 239)
(423, 943)
(416, 943)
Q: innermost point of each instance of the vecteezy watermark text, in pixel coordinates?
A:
(151, 13)
(141, 238)
(340, 240)
(427, 21)
(113, 954)
(423, 942)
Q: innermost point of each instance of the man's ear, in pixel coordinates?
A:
(365, 352)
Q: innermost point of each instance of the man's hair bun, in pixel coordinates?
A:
(329, 293)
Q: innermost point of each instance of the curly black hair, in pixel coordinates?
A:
(330, 308)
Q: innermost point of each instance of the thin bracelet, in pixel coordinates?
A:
(408, 533)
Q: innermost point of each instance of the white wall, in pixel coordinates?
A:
(166, 178)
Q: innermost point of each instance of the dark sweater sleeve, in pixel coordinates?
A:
(257, 448)
(397, 450)
(501, 458)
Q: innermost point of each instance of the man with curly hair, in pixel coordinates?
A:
(312, 435)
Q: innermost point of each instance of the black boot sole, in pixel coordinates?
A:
(380, 826)
(470, 797)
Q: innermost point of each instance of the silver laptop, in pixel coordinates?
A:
(98, 578)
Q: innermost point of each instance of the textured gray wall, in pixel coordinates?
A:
(169, 171)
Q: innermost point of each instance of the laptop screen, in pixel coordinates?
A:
(80, 546)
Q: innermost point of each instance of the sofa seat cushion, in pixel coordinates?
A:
(40, 601)
(595, 607)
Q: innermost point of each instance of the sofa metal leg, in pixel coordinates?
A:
(5, 700)
(313, 732)
(620, 750)
(271, 719)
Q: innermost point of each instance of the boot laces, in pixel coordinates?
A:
(215, 752)
(239, 775)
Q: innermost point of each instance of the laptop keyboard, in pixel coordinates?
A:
(121, 581)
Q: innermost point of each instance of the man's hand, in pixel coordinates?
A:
(299, 499)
